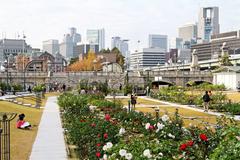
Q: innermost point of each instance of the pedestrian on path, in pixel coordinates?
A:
(133, 101)
(206, 100)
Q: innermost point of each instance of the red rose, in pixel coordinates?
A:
(99, 135)
(98, 144)
(105, 136)
(93, 125)
(190, 143)
(203, 137)
(183, 147)
(107, 117)
(151, 127)
(98, 154)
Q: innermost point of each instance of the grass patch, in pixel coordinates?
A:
(139, 101)
(22, 140)
(171, 110)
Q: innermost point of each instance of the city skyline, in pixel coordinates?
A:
(134, 20)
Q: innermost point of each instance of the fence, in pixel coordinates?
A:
(5, 119)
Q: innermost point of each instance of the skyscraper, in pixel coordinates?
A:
(158, 41)
(208, 23)
(96, 36)
(188, 32)
(70, 40)
(121, 44)
(51, 46)
(176, 43)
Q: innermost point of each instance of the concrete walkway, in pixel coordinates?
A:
(49, 143)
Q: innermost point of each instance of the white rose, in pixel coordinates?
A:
(147, 125)
(122, 131)
(128, 156)
(122, 152)
(146, 152)
(160, 154)
(104, 157)
(109, 145)
(105, 147)
(160, 125)
(171, 136)
(165, 118)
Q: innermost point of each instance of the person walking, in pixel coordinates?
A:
(133, 101)
(206, 100)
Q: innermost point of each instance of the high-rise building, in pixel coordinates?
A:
(51, 46)
(208, 23)
(76, 37)
(149, 57)
(158, 41)
(176, 43)
(96, 36)
(188, 32)
(122, 45)
(70, 40)
(66, 47)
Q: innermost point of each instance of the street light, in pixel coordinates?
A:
(6, 68)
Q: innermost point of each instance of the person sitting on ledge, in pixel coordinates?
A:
(21, 124)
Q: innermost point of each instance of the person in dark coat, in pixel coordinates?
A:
(206, 100)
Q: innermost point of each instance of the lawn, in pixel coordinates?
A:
(32, 99)
(22, 140)
(147, 106)
(234, 96)
(139, 101)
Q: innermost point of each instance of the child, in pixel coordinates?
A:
(21, 124)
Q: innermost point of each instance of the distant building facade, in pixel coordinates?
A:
(96, 37)
(70, 40)
(208, 23)
(121, 44)
(158, 41)
(51, 46)
(13, 47)
(188, 32)
(176, 43)
(211, 50)
(83, 49)
(149, 57)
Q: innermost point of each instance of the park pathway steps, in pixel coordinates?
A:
(49, 143)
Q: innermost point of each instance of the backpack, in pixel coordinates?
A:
(206, 98)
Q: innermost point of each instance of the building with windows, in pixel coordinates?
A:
(208, 23)
(51, 46)
(188, 32)
(176, 43)
(121, 44)
(70, 40)
(212, 49)
(83, 49)
(158, 41)
(149, 57)
(13, 47)
(96, 37)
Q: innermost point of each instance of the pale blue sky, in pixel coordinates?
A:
(130, 19)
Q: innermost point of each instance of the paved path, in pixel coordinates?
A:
(49, 143)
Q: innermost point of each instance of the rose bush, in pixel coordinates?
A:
(100, 134)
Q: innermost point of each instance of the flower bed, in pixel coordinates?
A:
(117, 134)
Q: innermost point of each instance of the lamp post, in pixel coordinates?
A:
(34, 67)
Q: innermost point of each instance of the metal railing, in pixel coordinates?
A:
(5, 119)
